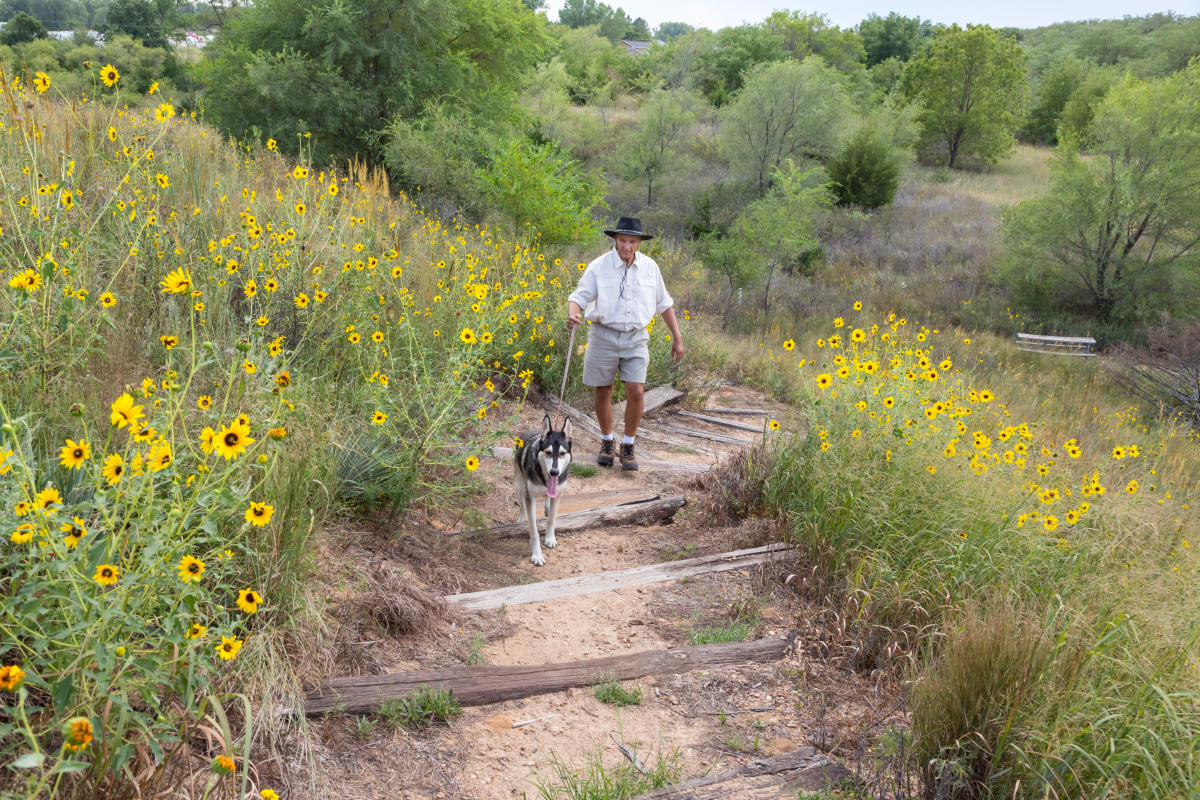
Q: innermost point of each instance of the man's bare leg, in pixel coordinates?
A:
(635, 394)
(604, 409)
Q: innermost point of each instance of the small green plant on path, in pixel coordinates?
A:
(476, 657)
(422, 707)
(584, 470)
(594, 780)
(613, 693)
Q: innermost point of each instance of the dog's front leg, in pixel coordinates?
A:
(535, 544)
(551, 516)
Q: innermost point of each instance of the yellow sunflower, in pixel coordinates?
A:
(259, 514)
(107, 574)
(177, 281)
(233, 439)
(228, 648)
(113, 469)
(249, 600)
(73, 454)
(110, 76)
(190, 569)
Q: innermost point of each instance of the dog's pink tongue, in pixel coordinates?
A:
(552, 486)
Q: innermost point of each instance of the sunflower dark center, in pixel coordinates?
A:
(231, 439)
(77, 452)
(193, 567)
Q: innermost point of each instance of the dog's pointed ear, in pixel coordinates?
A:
(567, 429)
(547, 426)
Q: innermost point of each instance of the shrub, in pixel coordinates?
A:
(539, 186)
(865, 172)
(969, 707)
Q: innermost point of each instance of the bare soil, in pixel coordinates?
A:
(705, 720)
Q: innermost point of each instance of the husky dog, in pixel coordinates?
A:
(540, 467)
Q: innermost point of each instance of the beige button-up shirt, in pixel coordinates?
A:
(622, 298)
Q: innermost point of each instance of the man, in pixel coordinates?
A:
(621, 290)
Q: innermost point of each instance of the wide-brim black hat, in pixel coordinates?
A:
(630, 226)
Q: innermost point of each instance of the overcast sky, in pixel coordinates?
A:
(716, 14)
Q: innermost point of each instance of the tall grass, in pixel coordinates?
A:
(924, 495)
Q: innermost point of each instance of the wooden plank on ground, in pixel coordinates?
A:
(803, 769)
(738, 426)
(655, 400)
(715, 437)
(657, 509)
(673, 466)
(761, 412)
(473, 686)
(589, 425)
(606, 581)
(572, 501)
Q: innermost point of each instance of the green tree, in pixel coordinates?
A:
(582, 13)
(1075, 121)
(1108, 42)
(614, 24)
(887, 74)
(587, 57)
(669, 30)
(139, 19)
(893, 36)
(803, 34)
(1120, 227)
(971, 87)
(22, 28)
(663, 118)
(1058, 84)
(786, 110)
(677, 62)
(778, 230)
(343, 69)
(721, 69)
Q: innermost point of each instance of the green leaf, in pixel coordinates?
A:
(70, 766)
(61, 691)
(29, 761)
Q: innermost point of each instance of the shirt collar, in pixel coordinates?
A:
(620, 263)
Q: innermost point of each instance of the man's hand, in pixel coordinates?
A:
(574, 315)
(676, 348)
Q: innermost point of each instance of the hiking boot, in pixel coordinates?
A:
(605, 459)
(628, 462)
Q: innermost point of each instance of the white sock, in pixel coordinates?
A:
(608, 437)
(627, 439)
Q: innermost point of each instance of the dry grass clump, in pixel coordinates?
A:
(969, 709)
(397, 604)
(733, 489)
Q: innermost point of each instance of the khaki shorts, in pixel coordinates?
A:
(610, 352)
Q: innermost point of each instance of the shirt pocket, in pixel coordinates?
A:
(648, 291)
(607, 290)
